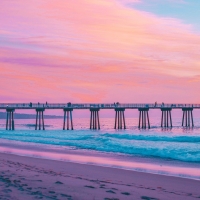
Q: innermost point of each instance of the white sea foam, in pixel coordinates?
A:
(176, 144)
(183, 147)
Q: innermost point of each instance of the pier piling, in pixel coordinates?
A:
(120, 118)
(166, 119)
(68, 111)
(94, 118)
(10, 124)
(39, 119)
(187, 120)
(144, 118)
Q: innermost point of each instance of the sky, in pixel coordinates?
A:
(128, 51)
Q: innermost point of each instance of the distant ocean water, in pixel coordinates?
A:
(176, 143)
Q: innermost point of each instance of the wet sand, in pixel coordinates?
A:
(34, 178)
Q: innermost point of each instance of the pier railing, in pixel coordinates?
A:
(96, 105)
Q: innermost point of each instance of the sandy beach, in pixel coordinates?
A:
(33, 178)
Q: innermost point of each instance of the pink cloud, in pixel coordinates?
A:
(95, 50)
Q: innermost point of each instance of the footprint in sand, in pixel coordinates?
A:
(42, 188)
(66, 195)
(89, 186)
(125, 193)
(17, 181)
(36, 193)
(21, 188)
(7, 190)
(110, 191)
(148, 198)
(58, 182)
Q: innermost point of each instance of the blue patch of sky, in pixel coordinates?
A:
(5, 42)
(188, 11)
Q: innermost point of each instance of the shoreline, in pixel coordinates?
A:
(27, 178)
(79, 156)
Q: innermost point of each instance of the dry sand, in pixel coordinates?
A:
(33, 178)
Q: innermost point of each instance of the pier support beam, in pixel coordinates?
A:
(120, 118)
(39, 119)
(187, 120)
(166, 119)
(144, 118)
(94, 118)
(68, 111)
(10, 124)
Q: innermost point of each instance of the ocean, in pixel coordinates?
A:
(177, 147)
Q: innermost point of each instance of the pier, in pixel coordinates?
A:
(10, 125)
(187, 119)
(69, 118)
(94, 118)
(166, 119)
(94, 124)
(39, 118)
(144, 118)
(120, 118)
